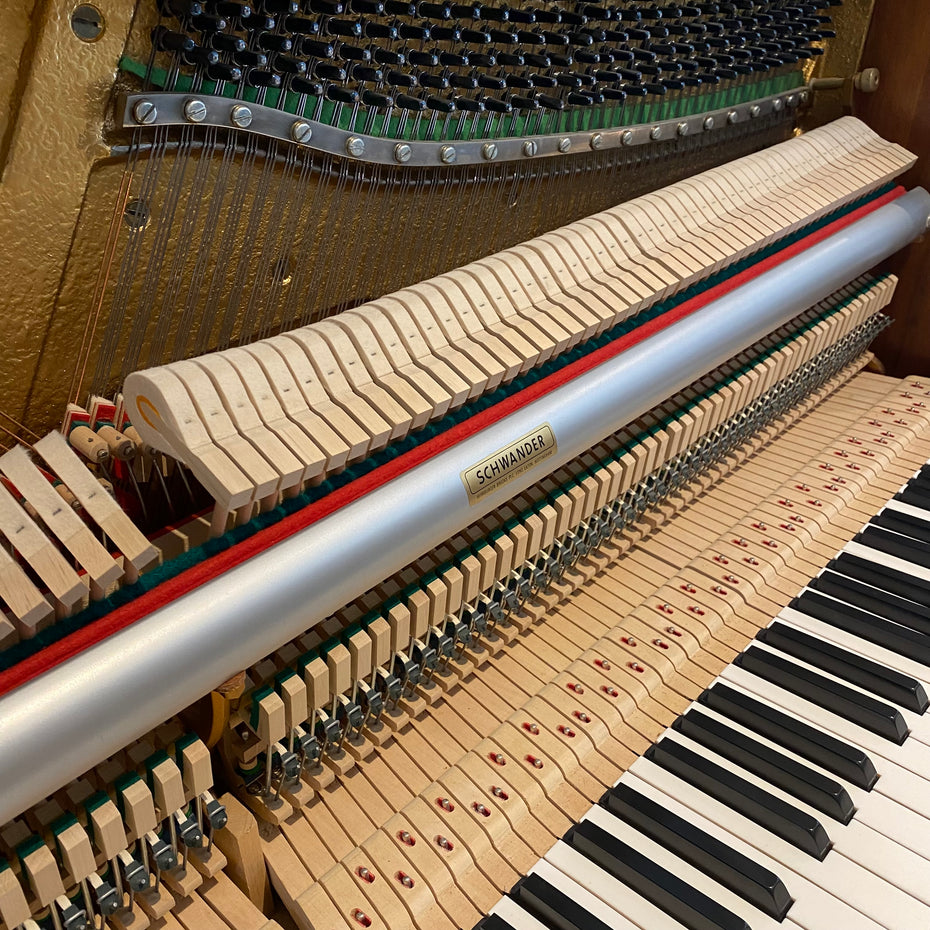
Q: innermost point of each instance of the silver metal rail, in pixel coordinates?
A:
(59, 725)
(178, 109)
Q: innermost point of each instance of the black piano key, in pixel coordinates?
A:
(778, 817)
(900, 639)
(881, 576)
(914, 495)
(888, 683)
(867, 712)
(795, 778)
(751, 881)
(551, 906)
(880, 602)
(835, 755)
(904, 523)
(902, 547)
(692, 908)
(492, 922)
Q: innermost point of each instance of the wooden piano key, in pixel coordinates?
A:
(603, 274)
(434, 300)
(29, 611)
(38, 551)
(232, 906)
(423, 336)
(14, 909)
(331, 380)
(506, 850)
(398, 402)
(493, 303)
(402, 340)
(504, 351)
(556, 282)
(421, 395)
(60, 519)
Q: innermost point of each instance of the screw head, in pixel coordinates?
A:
(301, 131)
(447, 154)
(144, 112)
(195, 111)
(626, 137)
(682, 129)
(564, 144)
(802, 97)
(530, 148)
(597, 141)
(355, 146)
(655, 133)
(755, 110)
(778, 104)
(489, 151)
(732, 117)
(240, 116)
(709, 122)
(792, 100)
(402, 152)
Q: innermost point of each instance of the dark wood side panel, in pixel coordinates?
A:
(898, 45)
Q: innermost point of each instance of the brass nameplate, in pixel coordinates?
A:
(507, 463)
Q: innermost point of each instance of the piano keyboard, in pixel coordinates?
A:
(794, 791)
(594, 682)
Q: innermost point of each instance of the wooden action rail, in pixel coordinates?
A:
(335, 672)
(587, 686)
(259, 422)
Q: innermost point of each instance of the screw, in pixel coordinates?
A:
(755, 110)
(530, 148)
(626, 137)
(355, 146)
(732, 117)
(655, 133)
(301, 131)
(597, 141)
(565, 144)
(792, 100)
(402, 152)
(447, 154)
(240, 116)
(683, 129)
(778, 104)
(803, 96)
(144, 112)
(87, 23)
(195, 111)
(709, 122)
(489, 151)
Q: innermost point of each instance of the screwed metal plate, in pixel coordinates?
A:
(173, 109)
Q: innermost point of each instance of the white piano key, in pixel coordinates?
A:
(907, 509)
(890, 561)
(814, 907)
(853, 643)
(593, 904)
(841, 877)
(635, 908)
(857, 841)
(918, 724)
(911, 755)
(882, 812)
(685, 871)
(508, 909)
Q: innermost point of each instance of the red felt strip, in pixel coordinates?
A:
(210, 568)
